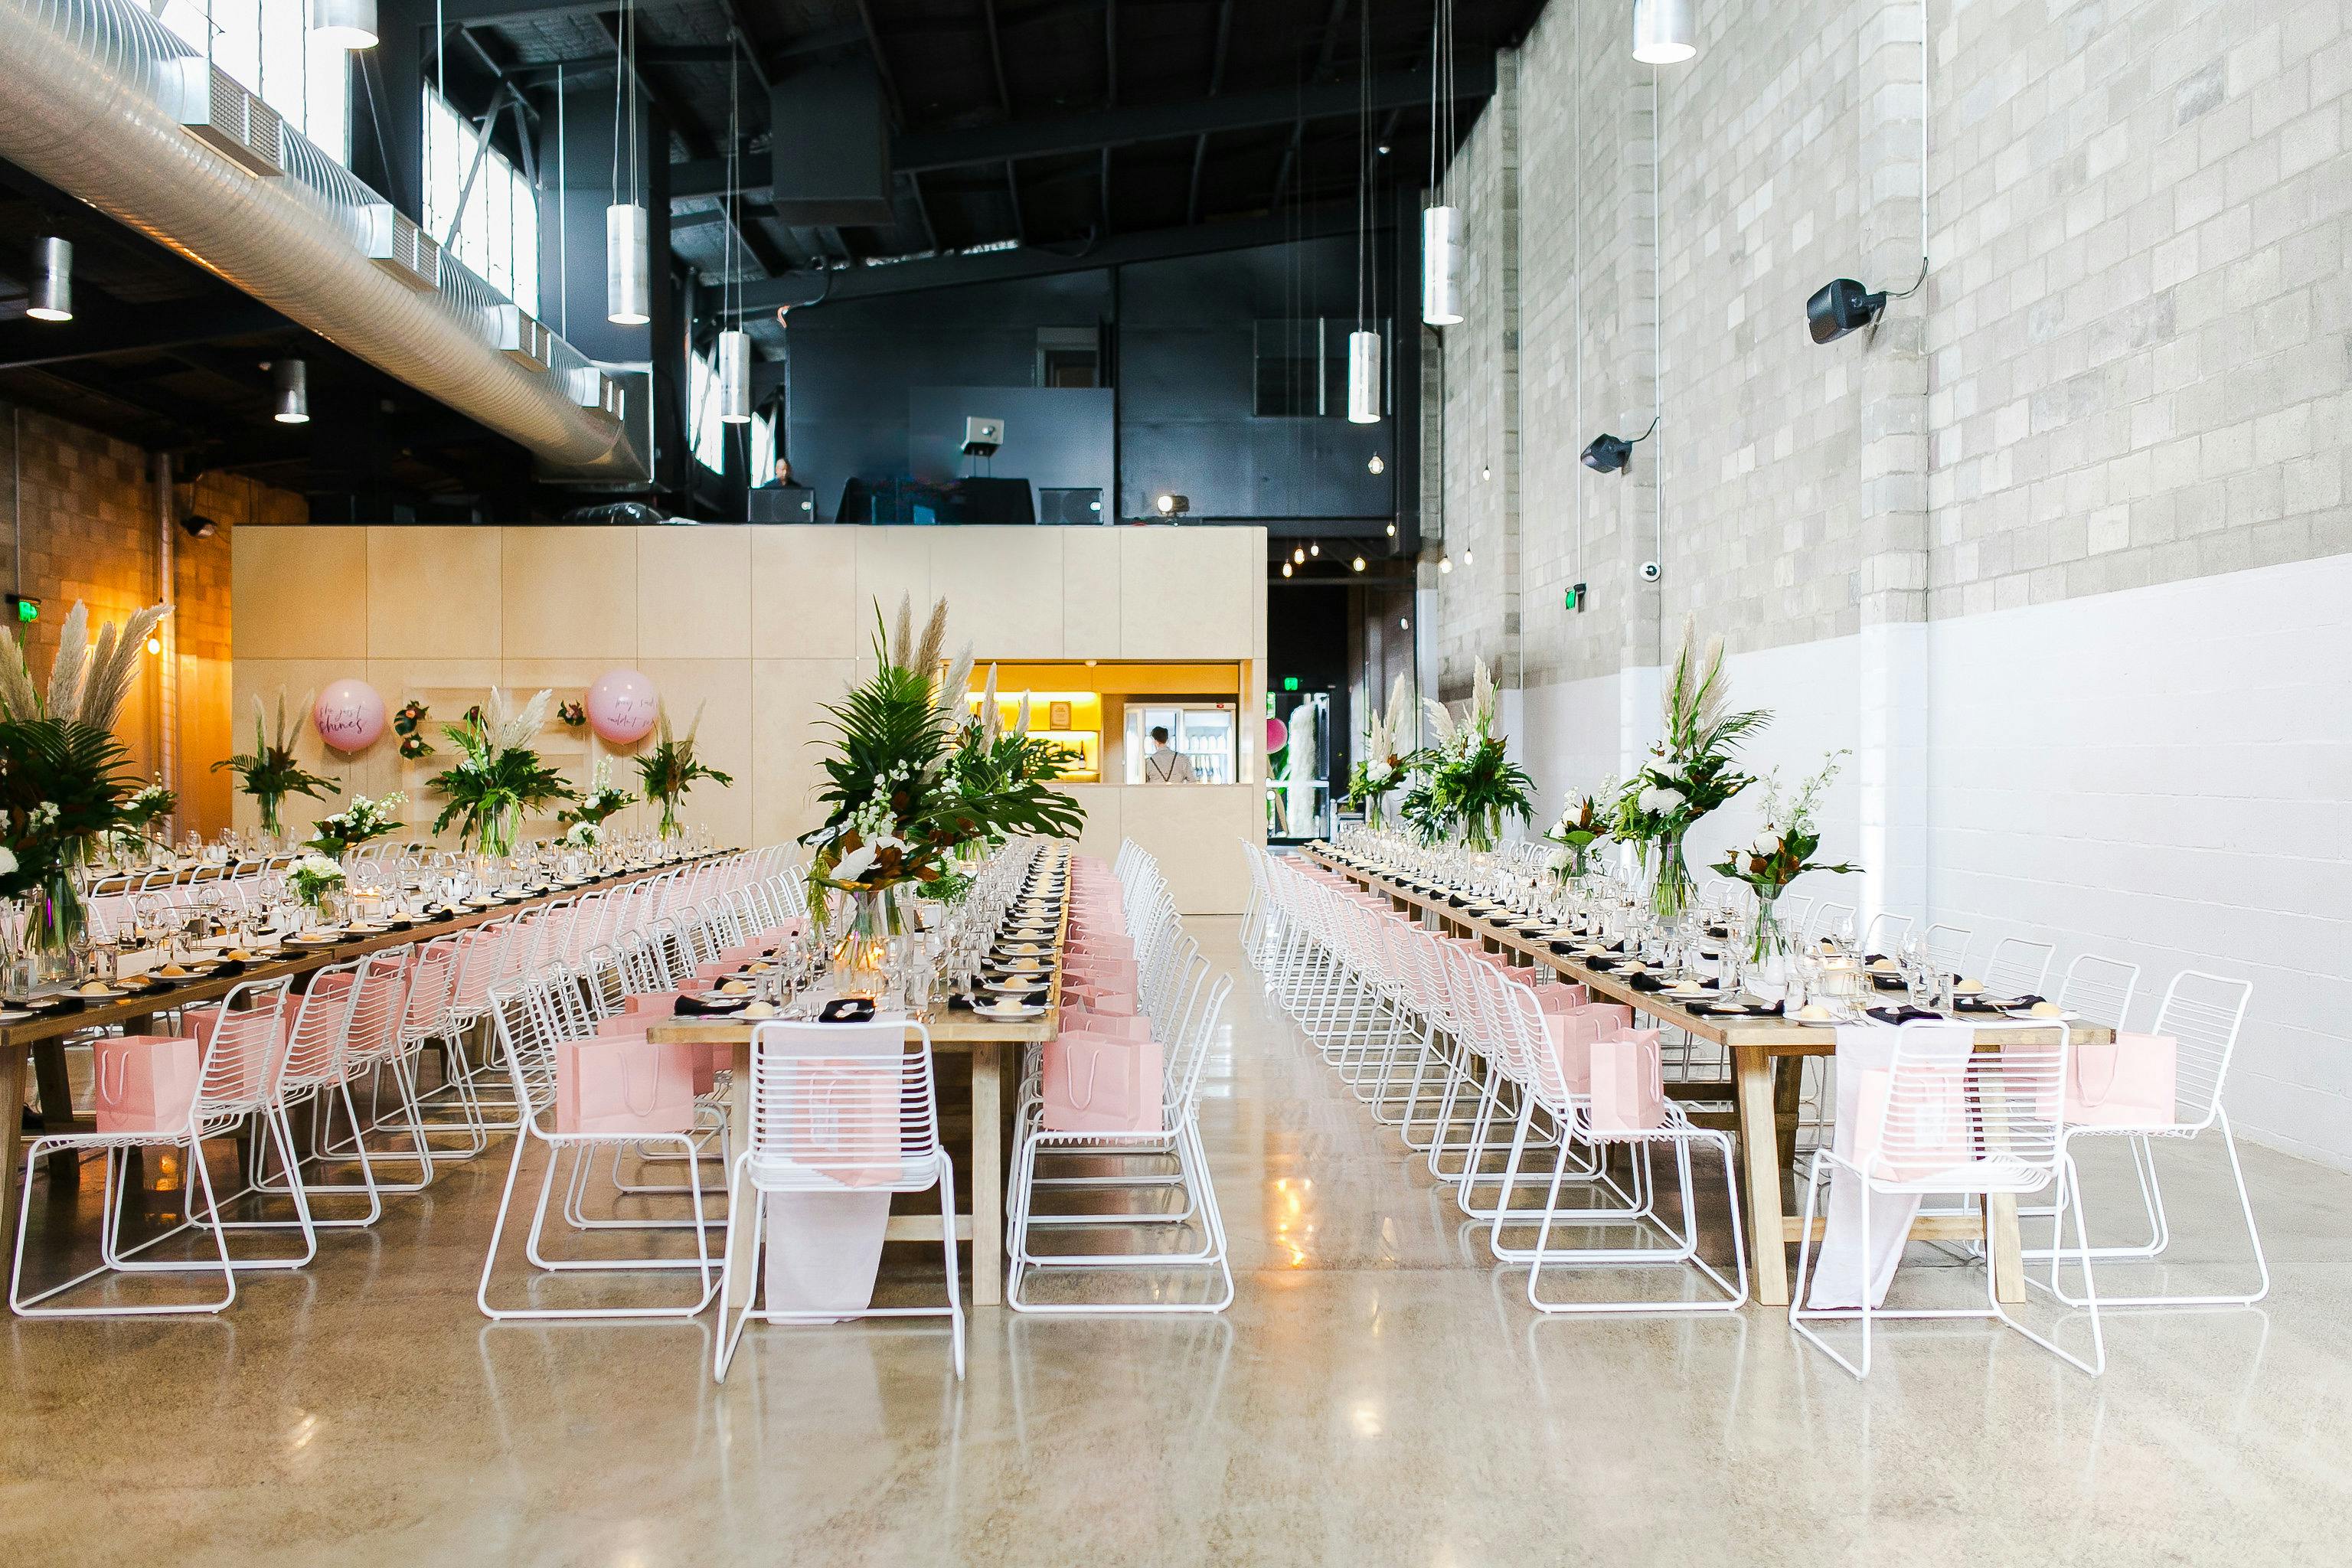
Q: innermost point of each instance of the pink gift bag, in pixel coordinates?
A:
(1100, 999)
(1549, 997)
(1573, 1035)
(1117, 1026)
(1930, 1132)
(1629, 1088)
(623, 1083)
(251, 1047)
(2131, 1083)
(1094, 1083)
(144, 1083)
(1105, 972)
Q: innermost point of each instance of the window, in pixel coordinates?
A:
(498, 231)
(1068, 356)
(704, 429)
(265, 44)
(1301, 366)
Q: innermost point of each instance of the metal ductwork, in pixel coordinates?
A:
(103, 103)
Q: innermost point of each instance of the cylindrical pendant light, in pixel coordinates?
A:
(1666, 32)
(289, 381)
(344, 23)
(52, 279)
(628, 296)
(735, 377)
(1364, 378)
(1441, 266)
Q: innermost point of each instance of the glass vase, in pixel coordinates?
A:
(669, 823)
(273, 812)
(1671, 888)
(53, 922)
(861, 950)
(1767, 938)
(1480, 828)
(497, 830)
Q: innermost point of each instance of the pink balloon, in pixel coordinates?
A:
(623, 706)
(1278, 734)
(349, 715)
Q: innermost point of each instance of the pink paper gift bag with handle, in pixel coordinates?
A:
(2131, 1083)
(623, 1083)
(144, 1083)
(252, 1068)
(1094, 1083)
(1629, 1088)
(1117, 1026)
(1550, 998)
(1573, 1035)
(1931, 1129)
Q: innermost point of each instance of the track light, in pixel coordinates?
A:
(344, 24)
(196, 526)
(1170, 504)
(52, 279)
(735, 377)
(290, 384)
(1609, 454)
(1665, 33)
(628, 293)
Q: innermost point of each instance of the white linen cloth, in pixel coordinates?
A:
(1846, 1256)
(824, 1248)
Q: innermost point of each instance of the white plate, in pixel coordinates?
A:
(2024, 1015)
(1023, 987)
(1010, 1013)
(11, 1015)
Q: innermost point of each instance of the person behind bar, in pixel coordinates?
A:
(1166, 764)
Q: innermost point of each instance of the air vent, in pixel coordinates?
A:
(517, 335)
(400, 247)
(214, 108)
(594, 390)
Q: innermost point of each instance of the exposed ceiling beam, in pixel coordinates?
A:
(1216, 86)
(1323, 58)
(134, 328)
(920, 150)
(866, 282)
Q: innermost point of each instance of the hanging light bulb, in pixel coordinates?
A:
(52, 279)
(1469, 558)
(1446, 564)
(1441, 266)
(1392, 530)
(1357, 564)
(1666, 32)
(289, 382)
(1364, 380)
(344, 24)
(628, 296)
(735, 377)
(1286, 568)
(1377, 464)
(1298, 555)
(1316, 548)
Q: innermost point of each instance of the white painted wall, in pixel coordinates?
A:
(2162, 775)
(2165, 774)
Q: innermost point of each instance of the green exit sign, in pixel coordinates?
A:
(1576, 597)
(1290, 683)
(28, 607)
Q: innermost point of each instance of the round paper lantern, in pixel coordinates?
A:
(1278, 735)
(349, 715)
(623, 706)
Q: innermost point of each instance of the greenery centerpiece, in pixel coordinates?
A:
(1690, 772)
(1386, 759)
(363, 820)
(141, 814)
(671, 769)
(316, 880)
(268, 773)
(1781, 852)
(583, 819)
(497, 775)
(1003, 776)
(64, 783)
(1472, 783)
(1584, 822)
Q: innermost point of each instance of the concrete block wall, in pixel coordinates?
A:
(2096, 466)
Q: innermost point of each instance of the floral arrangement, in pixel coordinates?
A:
(591, 806)
(269, 771)
(573, 713)
(497, 775)
(909, 781)
(408, 724)
(313, 878)
(1387, 757)
(1469, 783)
(1690, 772)
(671, 769)
(1584, 822)
(1782, 850)
(148, 807)
(357, 822)
(583, 835)
(1003, 776)
(63, 783)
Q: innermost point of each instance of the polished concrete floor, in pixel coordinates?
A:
(1378, 1395)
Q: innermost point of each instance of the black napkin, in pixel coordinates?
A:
(1645, 982)
(1718, 931)
(697, 1006)
(1993, 1003)
(1886, 982)
(1902, 1014)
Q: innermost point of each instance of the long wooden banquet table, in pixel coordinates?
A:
(994, 1047)
(134, 1014)
(1766, 1056)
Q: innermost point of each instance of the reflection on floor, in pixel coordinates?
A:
(1378, 1395)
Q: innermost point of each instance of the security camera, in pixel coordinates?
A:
(1841, 306)
(1650, 572)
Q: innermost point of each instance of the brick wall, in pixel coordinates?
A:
(84, 506)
